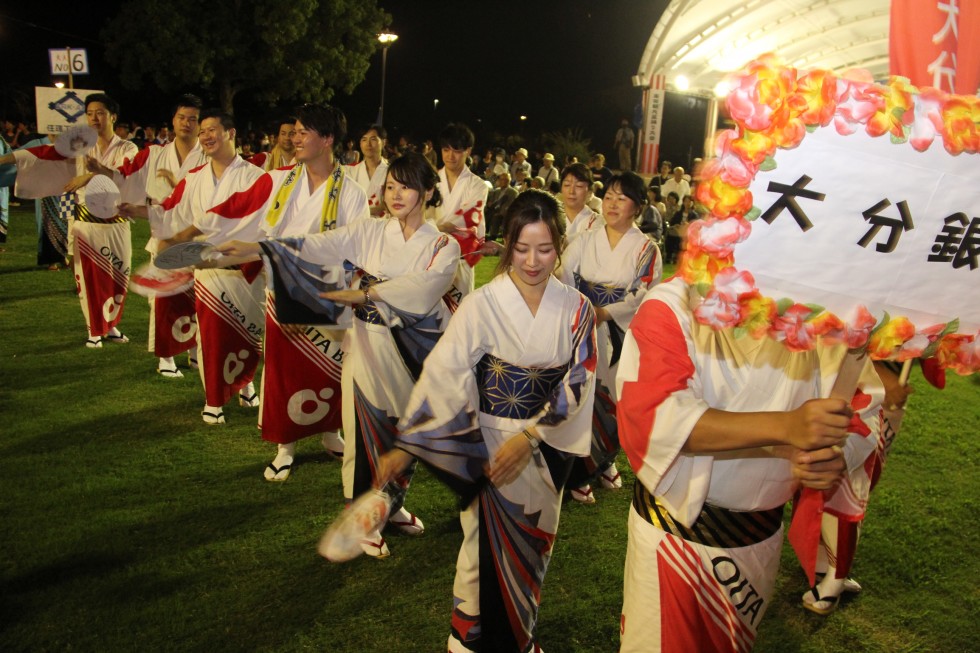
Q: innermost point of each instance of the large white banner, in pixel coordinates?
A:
(844, 210)
(59, 108)
(850, 220)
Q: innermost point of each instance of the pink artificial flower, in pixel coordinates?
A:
(716, 312)
(760, 92)
(856, 102)
(792, 329)
(927, 121)
(718, 236)
(917, 344)
(827, 325)
(855, 332)
(731, 285)
(730, 165)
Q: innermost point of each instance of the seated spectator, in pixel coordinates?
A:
(600, 173)
(651, 222)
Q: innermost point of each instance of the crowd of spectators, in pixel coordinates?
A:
(670, 207)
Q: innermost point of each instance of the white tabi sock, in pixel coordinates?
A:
(333, 443)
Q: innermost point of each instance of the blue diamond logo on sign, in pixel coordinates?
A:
(70, 106)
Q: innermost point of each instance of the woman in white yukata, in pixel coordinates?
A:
(576, 190)
(614, 266)
(404, 267)
(502, 407)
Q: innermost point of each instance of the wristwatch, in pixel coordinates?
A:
(531, 440)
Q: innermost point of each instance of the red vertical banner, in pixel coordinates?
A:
(936, 43)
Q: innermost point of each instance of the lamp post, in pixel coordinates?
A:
(386, 38)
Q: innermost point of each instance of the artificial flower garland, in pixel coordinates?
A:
(775, 106)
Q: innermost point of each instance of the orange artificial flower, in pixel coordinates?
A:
(893, 116)
(757, 314)
(723, 200)
(815, 100)
(886, 339)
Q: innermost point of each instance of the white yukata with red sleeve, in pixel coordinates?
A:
(463, 207)
(172, 324)
(374, 185)
(229, 302)
(705, 530)
(301, 378)
(102, 247)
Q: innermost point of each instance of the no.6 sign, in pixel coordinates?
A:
(62, 59)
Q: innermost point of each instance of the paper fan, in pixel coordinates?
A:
(342, 540)
(184, 255)
(76, 141)
(102, 197)
(152, 281)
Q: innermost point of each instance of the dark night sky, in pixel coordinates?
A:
(564, 63)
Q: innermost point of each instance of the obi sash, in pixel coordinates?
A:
(512, 391)
(600, 294)
(716, 527)
(82, 214)
(603, 294)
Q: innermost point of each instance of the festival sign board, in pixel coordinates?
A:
(58, 109)
(843, 210)
(73, 61)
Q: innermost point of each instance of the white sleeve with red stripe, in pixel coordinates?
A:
(42, 172)
(131, 177)
(660, 402)
(418, 291)
(173, 215)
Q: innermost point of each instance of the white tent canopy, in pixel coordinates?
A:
(705, 39)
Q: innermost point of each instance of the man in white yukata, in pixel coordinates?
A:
(150, 177)
(301, 393)
(283, 152)
(370, 172)
(464, 198)
(229, 302)
(721, 431)
(101, 247)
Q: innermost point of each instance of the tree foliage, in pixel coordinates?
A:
(565, 143)
(300, 49)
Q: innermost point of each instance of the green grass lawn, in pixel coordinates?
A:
(128, 525)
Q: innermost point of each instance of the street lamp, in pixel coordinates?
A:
(386, 38)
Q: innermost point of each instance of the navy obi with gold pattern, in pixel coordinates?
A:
(600, 294)
(368, 312)
(515, 392)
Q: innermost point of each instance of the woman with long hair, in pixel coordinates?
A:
(403, 267)
(503, 405)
